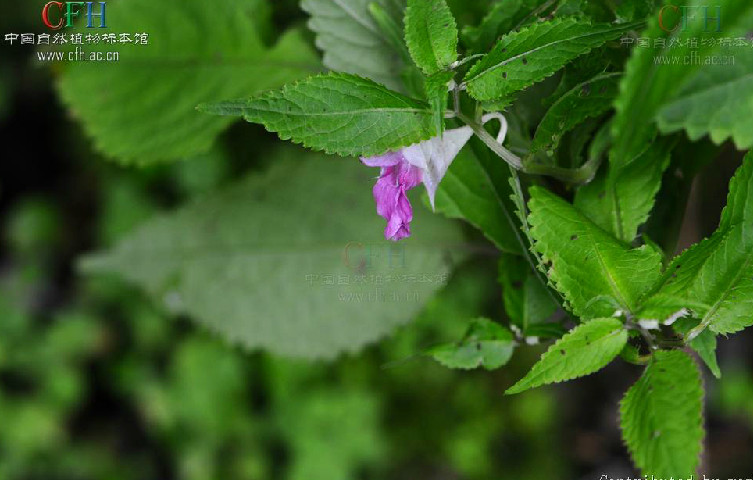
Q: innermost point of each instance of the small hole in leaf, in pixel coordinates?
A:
(504, 74)
(525, 61)
(574, 237)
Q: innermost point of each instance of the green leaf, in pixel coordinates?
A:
(599, 61)
(391, 28)
(714, 279)
(589, 347)
(292, 260)
(526, 300)
(661, 416)
(716, 102)
(629, 189)
(586, 100)
(596, 274)
(337, 113)
(522, 58)
(431, 35)
(141, 109)
(704, 344)
(485, 344)
(353, 41)
(476, 189)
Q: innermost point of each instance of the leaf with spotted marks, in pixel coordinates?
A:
(523, 58)
(596, 274)
(587, 348)
(714, 279)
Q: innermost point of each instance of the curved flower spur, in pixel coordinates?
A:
(425, 162)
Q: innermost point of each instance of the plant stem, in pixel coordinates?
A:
(580, 175)
(492, 143)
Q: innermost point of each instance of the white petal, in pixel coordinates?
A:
(435, 155)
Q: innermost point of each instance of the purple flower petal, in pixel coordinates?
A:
(389, 159)
(425, 162)
(391, 199)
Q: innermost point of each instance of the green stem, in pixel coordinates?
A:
(582, 174)
(492, 143)
(462, 62)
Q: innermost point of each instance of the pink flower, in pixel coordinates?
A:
(426, 162)
(397, 177)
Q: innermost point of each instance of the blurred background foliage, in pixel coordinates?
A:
(97, 383)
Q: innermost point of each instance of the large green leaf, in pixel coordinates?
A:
(141, 109)
(716, 102)
(714, 279)
(536, 52)
(337, 113)
(596, 274)
(661, 417)
(292, 260)
(431, 34)
(586, 349)
(476, 188)
(352, 40)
